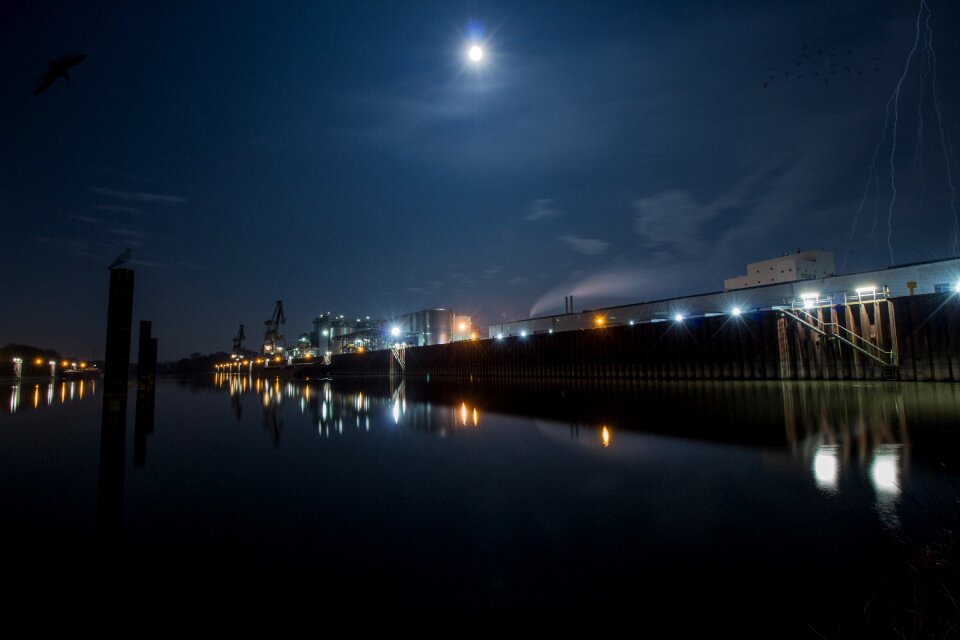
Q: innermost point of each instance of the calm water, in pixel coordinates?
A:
(793, 500)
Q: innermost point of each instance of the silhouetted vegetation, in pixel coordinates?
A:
(30, 354)
(196, 363)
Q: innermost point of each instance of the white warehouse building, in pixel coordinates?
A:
(935, 276)
(802, 265)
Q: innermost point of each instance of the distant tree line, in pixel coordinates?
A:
(197, 363)
(30, 355)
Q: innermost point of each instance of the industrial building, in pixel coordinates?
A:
(790, 288)
(802, 265)
(337, 334)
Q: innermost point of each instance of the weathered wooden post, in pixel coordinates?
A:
(113, 422)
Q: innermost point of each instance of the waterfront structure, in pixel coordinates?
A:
(802, 265)
(461, 328)
(329, 331)
(273, 344)
(424, 328)
(338, 334)
(936, 276)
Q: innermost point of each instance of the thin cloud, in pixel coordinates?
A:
(462, 278)
(542, 209)
(138, 196)
(674, 219)
(87, 219)
(190, 265)
(146, 263)
(491, 272)
(585, 246)
(127, 233)
(74, 246)
(110, 208)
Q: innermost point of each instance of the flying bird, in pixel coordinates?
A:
(122, 258)
(58, 69)
(822, 65)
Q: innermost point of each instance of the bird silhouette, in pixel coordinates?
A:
(123, 258)
(819, 64)
(58, 69)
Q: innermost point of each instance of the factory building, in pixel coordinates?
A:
(802, 265)
(431, 326)
(903, 280)
(338, 334)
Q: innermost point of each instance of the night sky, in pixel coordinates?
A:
(347, 157)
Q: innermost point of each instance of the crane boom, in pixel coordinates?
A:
(278, 318)
(272, 340)
(238, 341)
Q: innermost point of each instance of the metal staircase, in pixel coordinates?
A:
(400, 355)
(833, 331)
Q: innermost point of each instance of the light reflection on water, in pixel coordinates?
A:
(513, 486)
(68, 391)
(841, 431)
(826, 467)
(332, 412)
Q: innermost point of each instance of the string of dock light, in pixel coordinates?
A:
(808, 300)
(601, 322)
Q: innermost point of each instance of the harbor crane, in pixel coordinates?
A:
(272, 340)
(238, 342)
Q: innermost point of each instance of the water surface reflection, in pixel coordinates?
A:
(41, 394)
(499, 496)
(840, 433)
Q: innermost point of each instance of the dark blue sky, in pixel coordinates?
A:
(344, 156)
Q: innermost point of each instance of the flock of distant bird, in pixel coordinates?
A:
(822, 67)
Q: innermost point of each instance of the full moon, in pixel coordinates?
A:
(475, 53)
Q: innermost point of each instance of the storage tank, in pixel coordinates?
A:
(426, 327)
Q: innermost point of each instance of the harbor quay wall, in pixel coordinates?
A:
(928, 330)
(923, 333)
